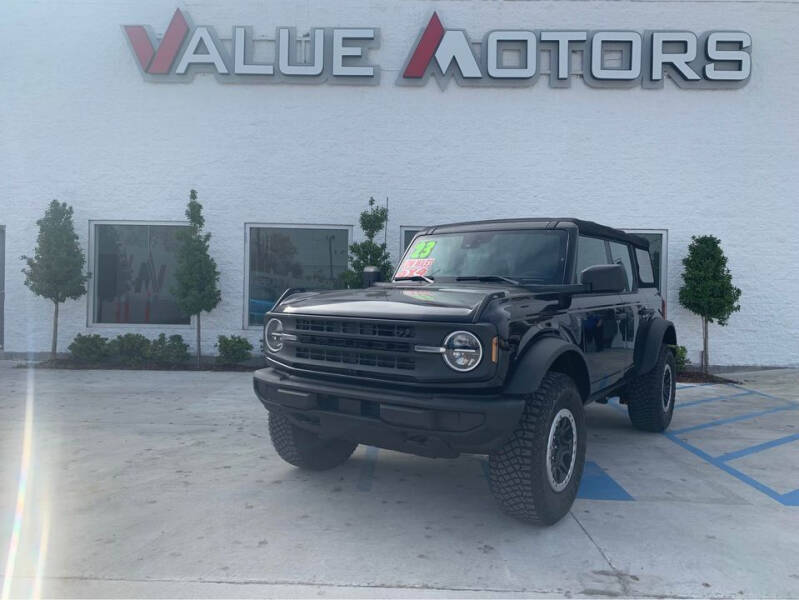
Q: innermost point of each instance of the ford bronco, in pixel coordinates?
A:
(490, 339)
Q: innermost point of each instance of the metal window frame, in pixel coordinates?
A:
(92, 283)
(248, 227)
(664, 256)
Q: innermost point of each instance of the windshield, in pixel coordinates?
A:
(528, 256)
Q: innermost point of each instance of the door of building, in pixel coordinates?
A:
(2, 279)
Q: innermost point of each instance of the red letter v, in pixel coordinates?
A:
(167, 49)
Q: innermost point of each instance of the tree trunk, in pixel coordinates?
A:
(199, 351)
(54, 347)
(705, 357)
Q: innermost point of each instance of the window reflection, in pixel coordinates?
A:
(286, 257)
(135, 273)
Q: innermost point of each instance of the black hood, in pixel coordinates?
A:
(453, 302)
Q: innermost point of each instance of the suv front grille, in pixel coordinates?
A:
(353, 347)
(355, 358)
(356, 328)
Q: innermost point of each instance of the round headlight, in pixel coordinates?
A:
(462, 351)
(273, 335)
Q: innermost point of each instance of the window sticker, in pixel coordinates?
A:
(414, 267)
(422, 249)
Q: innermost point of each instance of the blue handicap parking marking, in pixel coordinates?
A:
(790, 499)
(722, 461)
(598, 485)
(744, 417)
(758, 448)
(712, 399)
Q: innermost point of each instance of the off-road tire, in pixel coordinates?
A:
(645, 395)
(519, 475)
(305, 449)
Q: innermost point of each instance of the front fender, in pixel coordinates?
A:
(549, 353)
(647, 347)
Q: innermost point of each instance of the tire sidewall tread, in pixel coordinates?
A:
(518, 471)
(305, 449)
(643, 395)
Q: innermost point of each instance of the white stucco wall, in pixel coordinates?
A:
(78, 123)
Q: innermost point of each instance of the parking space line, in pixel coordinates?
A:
(759, 447)
(718, 422)
(682, 386)
(781, 498)
(789, 499)
(765, 395)
(713, 399)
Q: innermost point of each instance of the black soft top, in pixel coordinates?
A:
(584, 227)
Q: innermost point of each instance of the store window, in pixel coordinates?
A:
(134, 273)
(282, 257)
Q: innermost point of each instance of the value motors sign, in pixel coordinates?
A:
(506, 57)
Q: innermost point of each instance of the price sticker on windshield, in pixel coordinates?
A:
(414, 267)
(422, 249)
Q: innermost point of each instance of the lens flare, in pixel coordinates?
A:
(25, 475)
(41, 559)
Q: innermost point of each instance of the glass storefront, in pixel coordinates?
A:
(292, 257)
(134, 273)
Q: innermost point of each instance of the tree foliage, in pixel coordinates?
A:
(56, 271)
(197, 276)
(369, 253)
(707, 288)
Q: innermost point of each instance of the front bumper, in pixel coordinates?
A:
(428, 424)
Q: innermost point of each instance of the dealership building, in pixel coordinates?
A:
(668, 119)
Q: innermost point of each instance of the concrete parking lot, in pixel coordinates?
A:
(166, 484)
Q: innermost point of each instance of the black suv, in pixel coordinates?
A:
(490, 339)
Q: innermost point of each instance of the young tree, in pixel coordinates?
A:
(197, 277)
(707, 288)
(56, 270)
(369, 253)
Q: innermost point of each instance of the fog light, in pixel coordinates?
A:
(462, 351)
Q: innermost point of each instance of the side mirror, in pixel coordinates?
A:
(371, 275)
(604, 278)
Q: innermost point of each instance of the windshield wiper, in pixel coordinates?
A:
(488, 278)
(415, 278)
